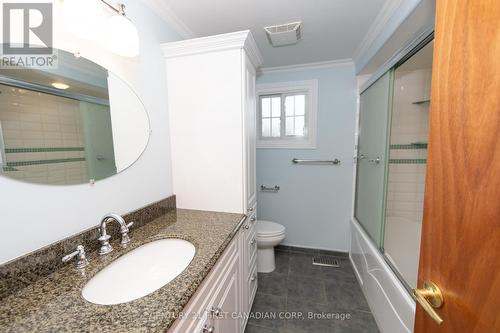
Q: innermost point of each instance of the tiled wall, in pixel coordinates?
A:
(43, 137)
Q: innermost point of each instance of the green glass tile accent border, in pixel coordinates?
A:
(42, 150)
(38, 162)
(407, 161)
(9, 168)
(410, 146)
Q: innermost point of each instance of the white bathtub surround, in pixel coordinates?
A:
(391, 304)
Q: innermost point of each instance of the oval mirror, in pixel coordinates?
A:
(68, 124)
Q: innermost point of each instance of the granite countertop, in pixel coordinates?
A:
(55, 304)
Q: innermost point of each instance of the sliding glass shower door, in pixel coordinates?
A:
(392, 152)
(375, 105)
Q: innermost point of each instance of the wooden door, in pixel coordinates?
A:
(460, 249)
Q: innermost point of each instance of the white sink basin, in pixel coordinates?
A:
(139, 272)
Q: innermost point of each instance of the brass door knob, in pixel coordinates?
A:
(430, 298)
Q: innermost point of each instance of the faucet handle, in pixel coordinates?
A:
(125, 236)
(81, 259)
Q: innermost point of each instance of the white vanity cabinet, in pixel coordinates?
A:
(211, 106)
(222, 302)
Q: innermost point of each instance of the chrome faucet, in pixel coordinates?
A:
(104, 237)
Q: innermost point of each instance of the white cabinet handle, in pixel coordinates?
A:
(254, 277)
(253, 219)
(253, 241)
(208, 329)
(246, 227)
(250, 209)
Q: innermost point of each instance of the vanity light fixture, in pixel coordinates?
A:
(121, 36)
(60, 85)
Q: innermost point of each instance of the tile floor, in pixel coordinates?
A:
(297, 287)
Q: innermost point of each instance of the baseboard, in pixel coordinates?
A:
(302, 249)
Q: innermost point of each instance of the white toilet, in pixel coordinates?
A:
(269, 234)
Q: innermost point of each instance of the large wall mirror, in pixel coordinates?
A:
(73, 124)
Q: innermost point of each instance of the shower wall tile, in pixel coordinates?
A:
(28, 125)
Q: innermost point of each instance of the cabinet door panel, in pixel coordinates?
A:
(228, 302)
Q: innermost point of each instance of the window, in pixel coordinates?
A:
(287, 115)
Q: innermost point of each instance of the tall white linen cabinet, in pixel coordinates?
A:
(212, 107)
(211, 100)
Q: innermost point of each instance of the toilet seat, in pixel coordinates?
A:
(269, 229)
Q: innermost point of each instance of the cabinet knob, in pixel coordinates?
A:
(246, 226)
(253, 219)
(208, 329)
(253, 241)
(250, 209)
(254, 277)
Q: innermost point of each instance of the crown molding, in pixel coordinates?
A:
(310, 65)
(386, 12)
(390, 17)
(230, 41)
(166, 14)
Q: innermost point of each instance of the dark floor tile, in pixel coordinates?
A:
(258, 329)
(314, 318)
(282, 260)
(273, 283)
(301, 264)
(360, 322)
(345, 295)
(344, 273)
(306, 288)
(265, 308)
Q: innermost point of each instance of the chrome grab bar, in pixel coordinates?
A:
(300, 161)
(264, 188)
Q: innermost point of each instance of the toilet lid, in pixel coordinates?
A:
(269, 228)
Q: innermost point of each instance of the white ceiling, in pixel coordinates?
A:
(332, 29)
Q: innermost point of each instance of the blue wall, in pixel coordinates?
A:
(315, 201)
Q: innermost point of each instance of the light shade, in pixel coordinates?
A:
(122, 36)
(60, 85)
(84, 18)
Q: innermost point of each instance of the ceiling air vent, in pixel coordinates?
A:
(284, 34)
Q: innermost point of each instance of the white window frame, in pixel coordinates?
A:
(310, 87)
